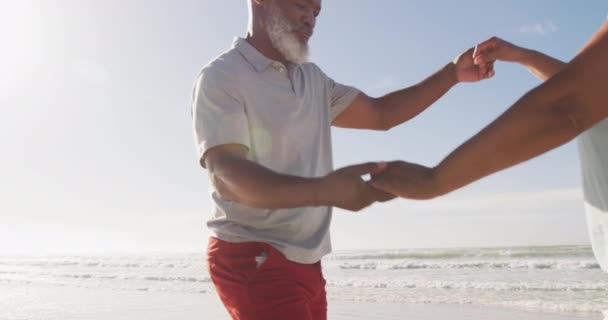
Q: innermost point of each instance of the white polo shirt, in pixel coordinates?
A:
(283, 114)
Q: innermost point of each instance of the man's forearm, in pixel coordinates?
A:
(256, 186)
(400, 106)
(540, 64)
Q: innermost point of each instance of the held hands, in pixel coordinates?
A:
(344, 188)
(496, 49)
(467, 70)
(407, 180)
(477, 63)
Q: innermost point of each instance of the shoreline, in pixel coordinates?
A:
(50, 302)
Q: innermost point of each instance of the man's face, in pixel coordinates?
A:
(301, 16)
(290, 24)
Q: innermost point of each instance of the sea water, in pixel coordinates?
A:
(553, 279)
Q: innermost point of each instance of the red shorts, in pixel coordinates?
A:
(256, 282)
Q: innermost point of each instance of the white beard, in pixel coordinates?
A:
(283, 38)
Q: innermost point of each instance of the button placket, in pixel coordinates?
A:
(278, 66)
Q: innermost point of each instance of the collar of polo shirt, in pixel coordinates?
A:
(257, 60)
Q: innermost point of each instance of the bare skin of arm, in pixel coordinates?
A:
(567, 104)
(400, 106)
(495, 49)
(238, 179)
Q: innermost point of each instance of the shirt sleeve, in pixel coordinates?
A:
(218, 113)
(341, 96)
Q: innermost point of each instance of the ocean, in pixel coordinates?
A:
(546, 279)
(561, 279)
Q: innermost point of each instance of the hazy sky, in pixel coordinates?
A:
(95, 128)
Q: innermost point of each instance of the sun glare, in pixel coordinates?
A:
(20, 27)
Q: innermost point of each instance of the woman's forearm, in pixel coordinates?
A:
(541, 65)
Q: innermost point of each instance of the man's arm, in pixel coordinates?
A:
(548, 116)
(238, 179)
(395, 108)
(541, 65)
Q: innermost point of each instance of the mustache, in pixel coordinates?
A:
(307, 31)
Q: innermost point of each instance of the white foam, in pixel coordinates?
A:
(553, 278)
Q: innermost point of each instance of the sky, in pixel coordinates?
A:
(98, 153)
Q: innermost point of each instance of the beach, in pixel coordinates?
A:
(551, 283)
(55, 303)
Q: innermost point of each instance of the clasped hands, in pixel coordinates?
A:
(345, 188)
(348, 190)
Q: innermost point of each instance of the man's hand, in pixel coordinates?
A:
(346, 189)
(407, 180)
(468, 71)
